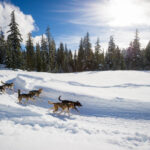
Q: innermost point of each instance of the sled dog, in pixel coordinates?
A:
(73, 105)
(56, 106)
(25, 96)
(8, 85)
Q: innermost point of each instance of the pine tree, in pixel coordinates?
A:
(38, 57)
(65, 64)
(52, 54)
(98, 56)
(30, 53)
(88, 52)
(14, 41)
(128, 57)
(49, 40)
(71, 61)
(80, 59)
(147, 56)
(24, 60)
(118, 60)
(109, 60)
(8, 60)
(60, 57)
(136, 53)
(2, 48)
(44, 54)
(75, 62)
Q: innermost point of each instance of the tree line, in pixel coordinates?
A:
(45, 57)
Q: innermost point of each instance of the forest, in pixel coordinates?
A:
(45, 57)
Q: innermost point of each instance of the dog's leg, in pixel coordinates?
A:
(55, 108)
(67, 111)
(76, 109)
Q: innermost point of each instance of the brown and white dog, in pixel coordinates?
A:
(74, 104)
(25, 96)
(62, 106)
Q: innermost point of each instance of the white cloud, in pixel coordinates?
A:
(119, 18)
(114, 13)
(26, 22)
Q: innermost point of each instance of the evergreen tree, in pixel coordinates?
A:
(88, 52)
(14, 41)
(75, 62)
(44, 54)
(24, 60)
(52, 54)
(109, 60)
(2, 48)
(128, 57)
(80, 59)
(38, 58)
(136, 53)
(98, 56)
(30, 58)
(49, 56)
(8, 60)
(60, 57)
(118, 61)
(65, 65)
(71, 61)
(147, 56)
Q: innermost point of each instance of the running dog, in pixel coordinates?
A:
(73, 105)
(36, 92)
(59, 105)
(8, 85)
(26, 96)
(2, 89)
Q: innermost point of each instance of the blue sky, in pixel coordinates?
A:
(69, 20)
(56, 14)
(45, 13)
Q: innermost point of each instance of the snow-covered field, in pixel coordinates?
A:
(115, 113)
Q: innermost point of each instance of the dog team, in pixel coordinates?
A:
(63, 104)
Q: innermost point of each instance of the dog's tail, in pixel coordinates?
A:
(50, 102)
(60, 99)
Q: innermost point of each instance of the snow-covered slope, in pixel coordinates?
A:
(115, 113)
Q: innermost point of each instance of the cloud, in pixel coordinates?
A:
(113, 13)
(103, 18)
(26, 22)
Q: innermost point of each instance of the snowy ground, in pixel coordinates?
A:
(115, 113)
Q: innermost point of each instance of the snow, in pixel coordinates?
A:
(115, 113)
